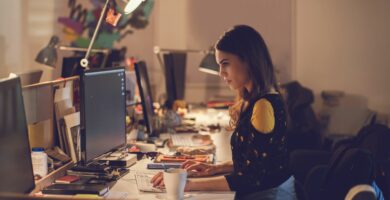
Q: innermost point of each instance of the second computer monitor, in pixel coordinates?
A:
(175, 74)
(146, 96)
(103, 112)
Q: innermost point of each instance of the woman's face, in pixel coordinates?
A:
(233, 70)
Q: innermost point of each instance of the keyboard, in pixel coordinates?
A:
(144, 184)
(184, 139)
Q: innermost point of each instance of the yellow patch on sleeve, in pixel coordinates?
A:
(263, 118)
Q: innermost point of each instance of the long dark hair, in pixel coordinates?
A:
(246, 43)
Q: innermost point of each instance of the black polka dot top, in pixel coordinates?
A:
(259, 159)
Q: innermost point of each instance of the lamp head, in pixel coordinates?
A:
(48, 55)
(208, 64)
(131, 5)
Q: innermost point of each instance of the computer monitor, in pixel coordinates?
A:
(30, 77)
(102, 112)
(16, 168)
(175, 73)
(146, 96)
(71, 66)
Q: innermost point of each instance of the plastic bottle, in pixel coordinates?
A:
(39, 161)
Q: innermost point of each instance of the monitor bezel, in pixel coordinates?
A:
(83, 131)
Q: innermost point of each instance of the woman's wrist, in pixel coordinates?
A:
(219, 169)
(223, 168)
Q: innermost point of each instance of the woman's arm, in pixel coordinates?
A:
(198, 169)
(218, 183)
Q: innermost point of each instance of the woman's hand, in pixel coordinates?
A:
(158, 182)
(194, 169)
(198, 169)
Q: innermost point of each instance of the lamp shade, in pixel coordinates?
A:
(48, 55)
(209, 65)
(132, 5)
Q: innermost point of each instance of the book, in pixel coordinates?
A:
(61, 108)
(67, 179)
(63, 95)
(72, 189)
(72, 124)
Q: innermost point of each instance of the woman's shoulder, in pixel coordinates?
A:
(274, 98)
(263, 118)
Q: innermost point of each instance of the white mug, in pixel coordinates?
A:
(175, 181)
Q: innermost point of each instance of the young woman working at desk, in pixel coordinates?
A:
(259, 122)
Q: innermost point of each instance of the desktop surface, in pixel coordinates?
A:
(128, 186)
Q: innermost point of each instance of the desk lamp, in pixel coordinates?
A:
(48, 55)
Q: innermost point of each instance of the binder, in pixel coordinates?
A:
(73, 189)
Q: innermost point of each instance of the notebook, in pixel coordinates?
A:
(72, 189)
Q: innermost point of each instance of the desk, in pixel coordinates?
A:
(127, 184)
(126, 187)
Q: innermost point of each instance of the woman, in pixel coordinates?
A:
(259, 122)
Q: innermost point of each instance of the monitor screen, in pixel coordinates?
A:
(71, 66)
(16, 168)
(102, 111)
(175, 73)
(146, 95)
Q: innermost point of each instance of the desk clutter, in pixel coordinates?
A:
(98, 178)
(180, 158)
(91, 153)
